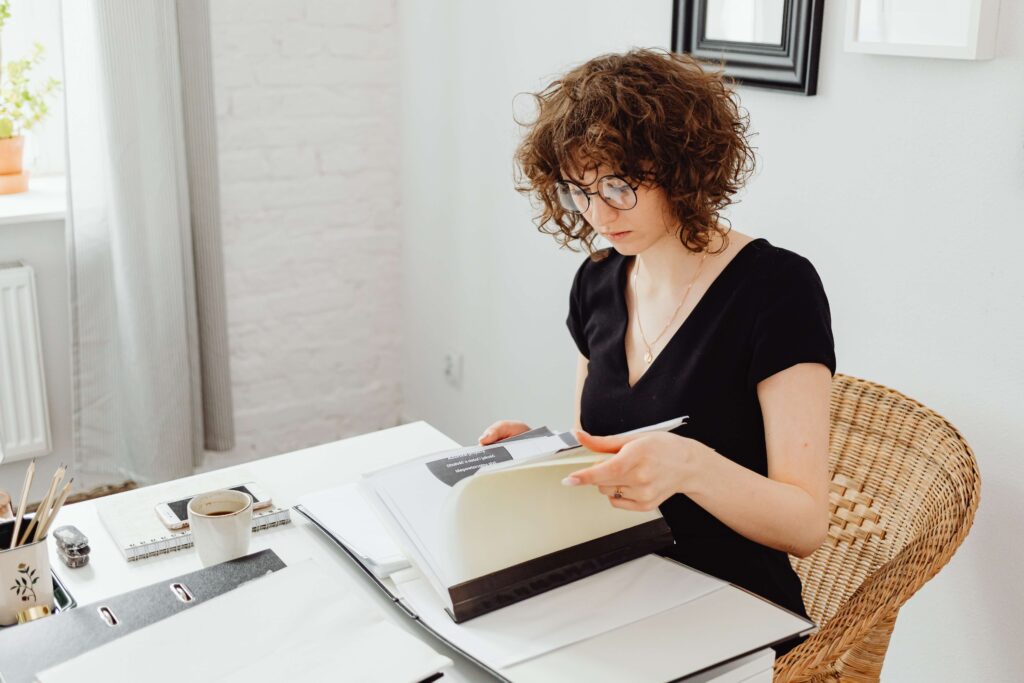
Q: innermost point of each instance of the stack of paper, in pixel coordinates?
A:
(344, 513)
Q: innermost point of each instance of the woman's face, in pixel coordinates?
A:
(629, 231)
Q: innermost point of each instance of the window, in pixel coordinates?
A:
(38, 21)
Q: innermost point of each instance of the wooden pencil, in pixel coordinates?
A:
(45, 525)
(45, 503)
(29, 473)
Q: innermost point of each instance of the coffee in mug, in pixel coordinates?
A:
(221, 524)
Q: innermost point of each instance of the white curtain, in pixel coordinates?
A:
(151, 385)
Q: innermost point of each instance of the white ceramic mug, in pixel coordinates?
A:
(25, 579)
(221, 524)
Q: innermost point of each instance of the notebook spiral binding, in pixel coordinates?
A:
(181, 540)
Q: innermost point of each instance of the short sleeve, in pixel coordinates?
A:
(792, 323)
(577, 316)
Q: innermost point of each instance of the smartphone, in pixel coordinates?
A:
(174, 514)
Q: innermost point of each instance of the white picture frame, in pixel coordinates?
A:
(946, 29)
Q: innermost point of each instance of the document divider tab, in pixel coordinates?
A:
(505, 587)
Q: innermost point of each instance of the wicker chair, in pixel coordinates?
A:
(904, 491)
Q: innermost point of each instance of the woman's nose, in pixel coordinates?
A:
(600, 213)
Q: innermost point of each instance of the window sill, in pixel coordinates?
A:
(46, 200)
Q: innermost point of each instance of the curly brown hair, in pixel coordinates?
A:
(651, 115)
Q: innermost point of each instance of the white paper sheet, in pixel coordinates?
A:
(346, 512)
(597, 604)
(295, 624)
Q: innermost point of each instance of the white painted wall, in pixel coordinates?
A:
(901, 181)
(307, 114)
(306, 96)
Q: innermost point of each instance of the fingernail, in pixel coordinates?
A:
(571, 481)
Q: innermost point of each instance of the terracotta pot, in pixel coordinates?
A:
(11, 151)
(12, 178)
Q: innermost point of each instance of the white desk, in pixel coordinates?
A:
(651, 650)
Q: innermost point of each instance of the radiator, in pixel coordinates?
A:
(24, 420)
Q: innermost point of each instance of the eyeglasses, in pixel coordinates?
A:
(615, 191)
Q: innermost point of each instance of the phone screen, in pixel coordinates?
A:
(180, 507)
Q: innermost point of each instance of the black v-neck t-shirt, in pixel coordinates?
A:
(766, 311)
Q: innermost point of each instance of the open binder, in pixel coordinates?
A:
(490, 526)
(729, 625)
(774, 624)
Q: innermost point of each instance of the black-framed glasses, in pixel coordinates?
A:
(616, 192)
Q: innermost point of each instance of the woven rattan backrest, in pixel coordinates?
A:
(900, 472)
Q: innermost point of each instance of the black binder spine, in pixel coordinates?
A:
(502, 588)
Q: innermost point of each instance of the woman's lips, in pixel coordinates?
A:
(617, 235)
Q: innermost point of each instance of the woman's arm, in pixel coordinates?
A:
(787, 510)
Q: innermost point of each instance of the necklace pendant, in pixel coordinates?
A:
(648, 358)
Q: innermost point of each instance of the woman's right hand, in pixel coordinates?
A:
(502, 429)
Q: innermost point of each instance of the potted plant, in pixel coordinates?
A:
(21, 108)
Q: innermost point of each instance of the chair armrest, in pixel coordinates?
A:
(880, 595)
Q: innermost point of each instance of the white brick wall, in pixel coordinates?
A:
(307, 121)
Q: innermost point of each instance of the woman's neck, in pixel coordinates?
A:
(667, 265)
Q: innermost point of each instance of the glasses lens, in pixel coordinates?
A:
(571, 197)
(617, 192)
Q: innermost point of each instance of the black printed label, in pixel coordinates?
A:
(455, 468)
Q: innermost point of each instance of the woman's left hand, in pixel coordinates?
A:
(646, 470)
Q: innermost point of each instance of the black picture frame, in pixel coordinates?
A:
(791, 66)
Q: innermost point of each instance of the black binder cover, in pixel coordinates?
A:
(38, 645)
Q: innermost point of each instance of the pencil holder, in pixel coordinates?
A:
(25, 579)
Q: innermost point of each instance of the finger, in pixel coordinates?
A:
(627, 504)
(502, 430)
(605, 444)
(605, 473)
(612, 489)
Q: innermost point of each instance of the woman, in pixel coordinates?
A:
(684, 317)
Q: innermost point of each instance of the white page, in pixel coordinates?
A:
(347, 514)
(501, 518)
(580, 610)
(414, 493)
(296, 623)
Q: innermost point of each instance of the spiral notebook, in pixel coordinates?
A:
(131, 521)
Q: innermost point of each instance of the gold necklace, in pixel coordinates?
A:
(649, 356)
